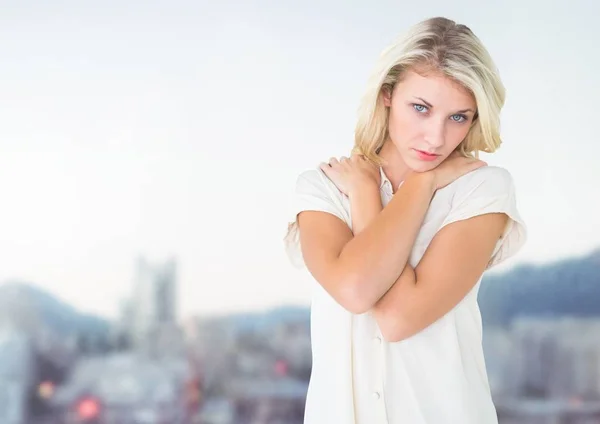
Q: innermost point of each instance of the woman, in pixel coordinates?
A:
(398, 236)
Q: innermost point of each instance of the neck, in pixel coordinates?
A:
(393, 165)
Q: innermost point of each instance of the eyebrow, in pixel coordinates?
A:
(430, 106)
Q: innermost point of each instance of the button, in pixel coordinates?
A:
(376, 395)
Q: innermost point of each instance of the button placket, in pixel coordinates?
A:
(377, 393)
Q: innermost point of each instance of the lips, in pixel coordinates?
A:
(426, 156)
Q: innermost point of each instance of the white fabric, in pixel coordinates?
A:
(437, 376)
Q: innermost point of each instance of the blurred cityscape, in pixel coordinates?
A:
(60, 366)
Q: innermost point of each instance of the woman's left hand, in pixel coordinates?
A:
(350, 174)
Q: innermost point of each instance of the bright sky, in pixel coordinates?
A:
(178, 128)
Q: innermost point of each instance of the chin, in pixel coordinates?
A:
(422, 166)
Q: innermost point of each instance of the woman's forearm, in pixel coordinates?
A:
(376, 256)
(365, 205)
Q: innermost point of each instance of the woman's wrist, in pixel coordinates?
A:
(363, 186)
(424, 180)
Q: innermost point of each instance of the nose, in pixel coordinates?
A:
(435, 135)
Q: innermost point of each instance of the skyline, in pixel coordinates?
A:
(178, 131)
(128, 298)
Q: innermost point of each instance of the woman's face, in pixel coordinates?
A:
(429, 117)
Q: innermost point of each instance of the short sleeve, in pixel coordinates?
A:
(313, 192)
(490, 190)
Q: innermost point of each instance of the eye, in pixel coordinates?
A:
(419, 108)
(458, 118)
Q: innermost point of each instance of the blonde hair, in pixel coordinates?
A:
(434, 45)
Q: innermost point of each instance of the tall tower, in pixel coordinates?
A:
(154, 308)
(166, 296)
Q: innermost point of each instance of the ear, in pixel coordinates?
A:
(386, 92)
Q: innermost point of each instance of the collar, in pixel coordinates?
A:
(385, 181)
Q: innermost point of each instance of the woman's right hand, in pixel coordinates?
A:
(452, 168)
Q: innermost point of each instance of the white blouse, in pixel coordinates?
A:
(437, 376)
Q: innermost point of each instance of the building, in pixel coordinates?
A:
(152, 312)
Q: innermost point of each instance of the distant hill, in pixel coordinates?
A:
(567, 287)
(56, 314)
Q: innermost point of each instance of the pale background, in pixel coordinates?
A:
(178, 129)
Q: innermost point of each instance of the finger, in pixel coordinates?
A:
(343, 159)
(325, 167)
(333, 161)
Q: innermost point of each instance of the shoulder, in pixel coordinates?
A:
(492, 181)
(310, 176)
(313, 181)
(489, 175)
(489, 189)
(315, 191)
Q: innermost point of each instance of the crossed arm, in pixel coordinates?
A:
(366, 269)
(450, 267)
